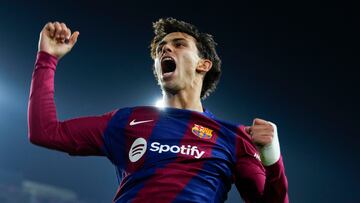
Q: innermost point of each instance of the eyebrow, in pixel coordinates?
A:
(173, 40)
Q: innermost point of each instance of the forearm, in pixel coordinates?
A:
(42, 117)
(276, 185)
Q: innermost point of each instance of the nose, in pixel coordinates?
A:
(166, 48)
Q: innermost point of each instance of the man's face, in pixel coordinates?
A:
(176, 62)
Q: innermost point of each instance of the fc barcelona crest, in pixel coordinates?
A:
(201, 131)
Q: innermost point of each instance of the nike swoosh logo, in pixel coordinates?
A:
(133, 122)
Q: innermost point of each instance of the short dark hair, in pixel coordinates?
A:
(204, 43)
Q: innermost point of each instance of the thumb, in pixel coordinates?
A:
(73, 38)
(247, 129)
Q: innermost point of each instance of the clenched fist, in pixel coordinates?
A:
(264, 136)
(56, 39)
(261, 131)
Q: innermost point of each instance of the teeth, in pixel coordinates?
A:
(167, 59)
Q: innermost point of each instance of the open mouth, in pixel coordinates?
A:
(168, 65)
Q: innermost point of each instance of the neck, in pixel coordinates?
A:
(189, 100)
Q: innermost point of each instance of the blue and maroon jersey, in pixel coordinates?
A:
(177, 155)
(161, 154)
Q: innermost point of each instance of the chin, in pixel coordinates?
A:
(170, 88)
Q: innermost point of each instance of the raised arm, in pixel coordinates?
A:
(78, 136)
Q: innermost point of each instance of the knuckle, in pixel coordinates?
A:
(57, 25)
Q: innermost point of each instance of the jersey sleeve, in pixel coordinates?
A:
(255, 182)
(77, 136)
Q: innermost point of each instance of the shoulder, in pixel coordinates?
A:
(237, 128)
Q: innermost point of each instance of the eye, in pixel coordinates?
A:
(178, 44)
(158, 49)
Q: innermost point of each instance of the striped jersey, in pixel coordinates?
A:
(160, 154)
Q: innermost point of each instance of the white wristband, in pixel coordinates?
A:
(270, 153)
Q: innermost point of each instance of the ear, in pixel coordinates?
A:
(204, 65)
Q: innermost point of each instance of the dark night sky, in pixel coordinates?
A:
(293, 64)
